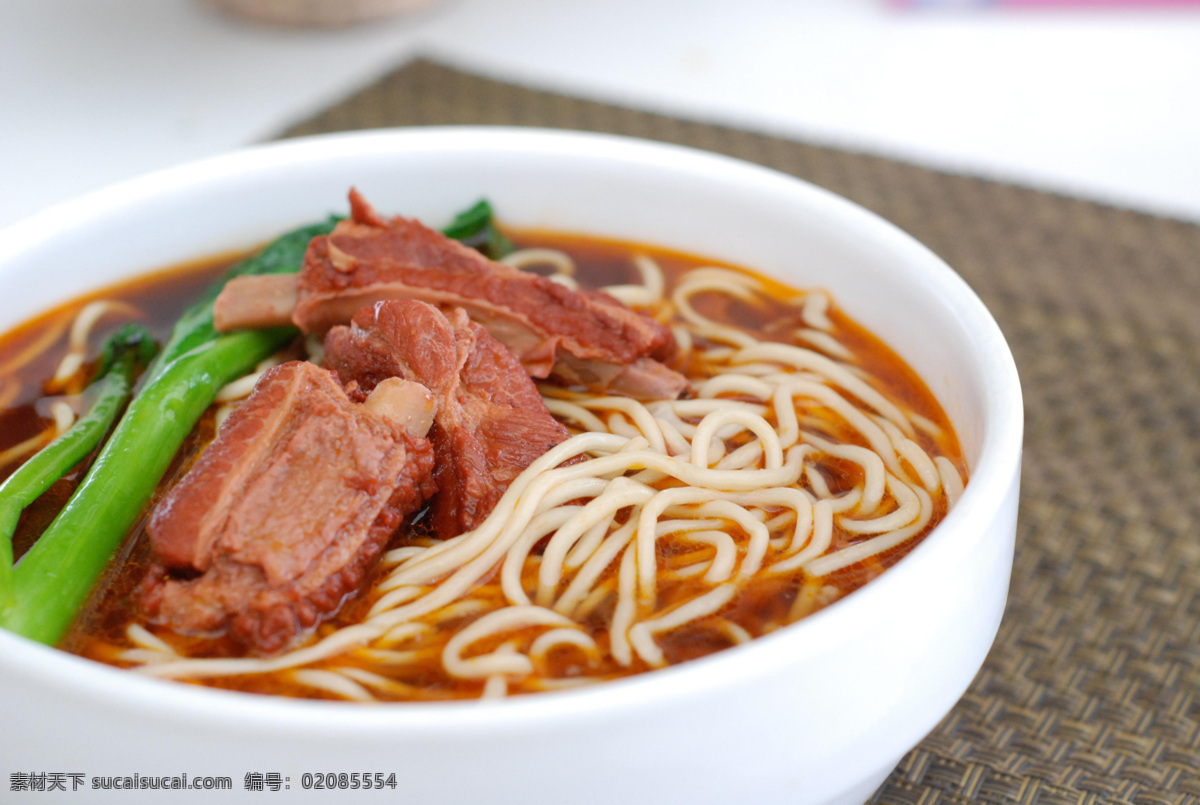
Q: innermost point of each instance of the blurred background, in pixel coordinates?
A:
(1099, 100)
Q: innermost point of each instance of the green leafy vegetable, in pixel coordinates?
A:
(123, 355)
(284, 255)
(53, 579)
(476, 227)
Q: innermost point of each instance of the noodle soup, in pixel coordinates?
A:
(805, 460)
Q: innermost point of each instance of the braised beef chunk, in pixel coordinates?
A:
(285, 512)
(489, 423)
(367, 259)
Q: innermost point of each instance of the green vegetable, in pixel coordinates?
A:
(54, 579)
(476, 227)
(124, 354)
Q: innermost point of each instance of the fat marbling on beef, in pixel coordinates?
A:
(286, 512)
(490, 422)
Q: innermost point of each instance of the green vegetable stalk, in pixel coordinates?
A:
(54, 578)
(124, 354)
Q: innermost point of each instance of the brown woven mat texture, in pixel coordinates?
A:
(1092, 691)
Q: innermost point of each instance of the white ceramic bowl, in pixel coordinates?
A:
(818, 712)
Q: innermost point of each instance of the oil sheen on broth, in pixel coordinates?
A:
(411, 666)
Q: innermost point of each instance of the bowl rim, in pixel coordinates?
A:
(997, 467)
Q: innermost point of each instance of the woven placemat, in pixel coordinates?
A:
(1092, 690)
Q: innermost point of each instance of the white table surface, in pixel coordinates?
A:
(1101, 103)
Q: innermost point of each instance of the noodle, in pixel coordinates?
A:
(241, 388)
(31, 445)
(81, 330)
(528, 258)
(44, 341)
(10, 390)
